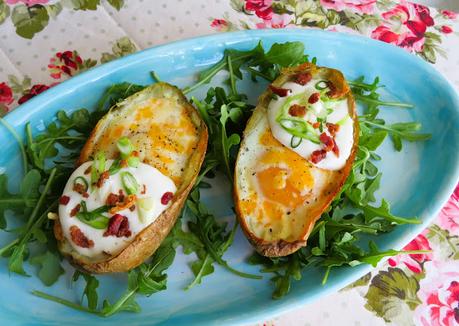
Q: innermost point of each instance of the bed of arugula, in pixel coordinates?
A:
(48, 161)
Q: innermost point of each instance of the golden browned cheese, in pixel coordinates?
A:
(169, 135)
(279, 195)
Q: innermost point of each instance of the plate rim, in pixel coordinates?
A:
(32, 107)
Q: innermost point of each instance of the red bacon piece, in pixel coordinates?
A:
(279, 91)
(118, 226)
(79, 238)
(303, 78)
(318, 156)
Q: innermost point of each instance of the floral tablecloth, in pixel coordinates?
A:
(43, 42)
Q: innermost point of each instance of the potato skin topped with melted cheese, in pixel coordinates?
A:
(279, 195)
(168, 135)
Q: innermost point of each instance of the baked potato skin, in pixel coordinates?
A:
(280, 248)
(149, 239)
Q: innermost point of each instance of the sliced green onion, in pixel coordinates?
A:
(145, 205)
(295, 141)
(343, 120)
(299, 128)
(133, 161)
(129, 182)
(81, 180)
(125, 147)
(94, 218)
(115, 167)
(98, 166)
(321, 85)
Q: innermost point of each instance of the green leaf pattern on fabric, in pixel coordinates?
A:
(29, 20)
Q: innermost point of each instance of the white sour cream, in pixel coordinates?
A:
(156, 184)
(344, 137)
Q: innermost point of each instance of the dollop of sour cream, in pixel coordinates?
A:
(149, 205)
(332, 111)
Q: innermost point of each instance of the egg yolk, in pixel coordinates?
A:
(284, 179)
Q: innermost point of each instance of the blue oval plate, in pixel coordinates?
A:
(416, 181)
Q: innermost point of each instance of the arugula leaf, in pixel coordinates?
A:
(115, 94)
(286, 54)
(90, 290)
(49, 267)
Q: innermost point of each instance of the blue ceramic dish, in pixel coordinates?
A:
(416, 181)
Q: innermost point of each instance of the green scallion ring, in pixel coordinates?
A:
(129, 182)
(321, 85)
(125, 147)
(295, 141)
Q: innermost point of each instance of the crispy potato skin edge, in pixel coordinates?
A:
(147, 241)
(280, 248)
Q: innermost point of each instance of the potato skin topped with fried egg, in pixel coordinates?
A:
(279, 195)
(169, 136)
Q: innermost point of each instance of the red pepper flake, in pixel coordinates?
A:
(316, 125)
(135, 153)
(144, 190)
(79, 238)
(118, 226)
(333, 91)
(166, 198)
(297, 110)
(318, 156)
(64, 200)
(124, 163)
(279, 91)
(75, 210)
(303, 78)
(332, 128)
(314, 98)
(104, 176)
(327, 141)
(88, 170)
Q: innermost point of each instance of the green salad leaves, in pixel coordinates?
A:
(336, 240)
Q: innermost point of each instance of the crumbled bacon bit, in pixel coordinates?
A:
(333, 91)
(316, 125)
(126, 203)
(297, 110)
(144, 190)
(335, 148)
(303, 78)
(79, 238)
(124, 163)
(112, 199)
(64, 200)
(88, 170)
(132, 208)
(75, 210)
(314, 98)
(118, 226)
(81, 189)
(318, 156)
(327, 141)
(279, 91)
(104, 176)
(166, 198)
(332, 128)
(135, 153)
